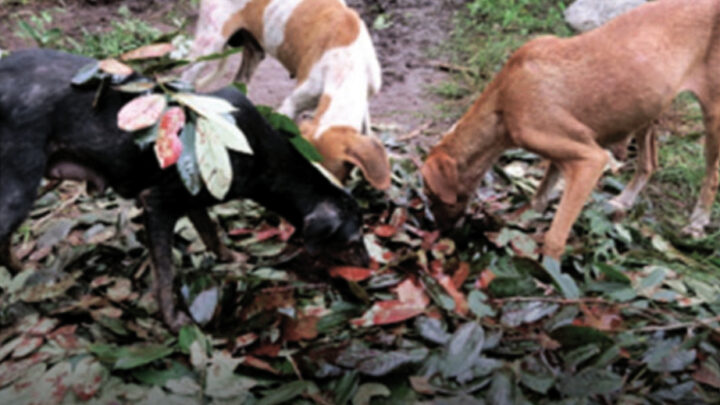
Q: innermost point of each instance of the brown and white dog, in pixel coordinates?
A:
(566, 99)
(327, 48)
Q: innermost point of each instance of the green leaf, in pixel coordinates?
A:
(512, 287)
(87, 75)
(285, 393)
(128, 357)
(146, 137)
(162, 376)
(571, 336)
(364, 394)
(218, 55)
(136, 87)
(383, 363)
(306, 149)
(224, 132)
(590, 381)
(668, 356)
(213, 160)
(463, 349)
(187, 164)
(612, 274)
(242, 87)
(477, 301)
(567, 285)
(204, 105)
(432, 330)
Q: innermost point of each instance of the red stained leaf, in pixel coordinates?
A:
(240, 231)
(461, 305)
(115, 67)
(245, 340)
(266, 234)
(411, 302)
(65, 337)
(385, 231)
(286, 230)
(148, 52)
(168, 146)
(259, 364)
(486, 277)
(350, 273)
(461, 274)
(267, 350)
(429, 239)
(141, 112)
(303, 328)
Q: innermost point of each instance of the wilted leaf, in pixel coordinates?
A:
(351, 273)
(432, 329)
(224, 130)
(115, 67)
(518, 313)
(148, 52)
(566, 284)
(383, 363)
(221, 381)
(204, 105)
(141, 112)
(128, 357)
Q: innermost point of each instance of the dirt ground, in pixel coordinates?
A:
(412, 30)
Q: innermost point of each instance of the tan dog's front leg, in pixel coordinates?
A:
(581, 175)
(701, 214)
(647, 163)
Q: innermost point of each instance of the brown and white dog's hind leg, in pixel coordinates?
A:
(304, 97)
(647, 163)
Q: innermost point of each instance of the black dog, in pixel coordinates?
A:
(48, 128)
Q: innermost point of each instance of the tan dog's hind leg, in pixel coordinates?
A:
(701, 214)
(541, 198)
(646, 164)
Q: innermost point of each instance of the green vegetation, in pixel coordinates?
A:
(122, 35)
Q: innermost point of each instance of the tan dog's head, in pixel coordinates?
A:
(442, 186)
(343, 146)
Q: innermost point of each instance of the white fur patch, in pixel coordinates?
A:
(277, 14)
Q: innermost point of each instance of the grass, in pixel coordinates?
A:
(125, 33)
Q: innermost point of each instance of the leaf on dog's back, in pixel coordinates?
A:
(226, 131)
(115, 67)
(141, 112)
(187, 162)
(213, 160)
(168, 146)
(148, 52)
(204, 105)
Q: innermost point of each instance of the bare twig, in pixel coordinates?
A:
(415, 132)
(685, 325)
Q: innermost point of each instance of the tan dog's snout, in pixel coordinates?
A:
(442, 185)
(341, 146)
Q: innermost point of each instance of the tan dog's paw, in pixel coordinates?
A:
(694, 231)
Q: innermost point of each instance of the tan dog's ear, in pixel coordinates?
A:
(440, 174)
(368, 153)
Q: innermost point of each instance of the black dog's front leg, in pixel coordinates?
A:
(159, 225)
(210, 235)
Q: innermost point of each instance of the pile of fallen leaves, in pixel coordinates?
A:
(632, 317)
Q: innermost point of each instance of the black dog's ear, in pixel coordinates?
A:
(319, 225)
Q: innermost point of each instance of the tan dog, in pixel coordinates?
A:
(327, 48)
(566, 99)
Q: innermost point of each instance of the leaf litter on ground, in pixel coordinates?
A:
(471, 317)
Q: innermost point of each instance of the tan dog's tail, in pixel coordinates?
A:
(342, 145)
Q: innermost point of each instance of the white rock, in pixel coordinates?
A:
(585, 15)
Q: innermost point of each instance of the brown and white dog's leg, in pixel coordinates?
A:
(701, 214)
(210, 235)
(647, 163)
(304, 97)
